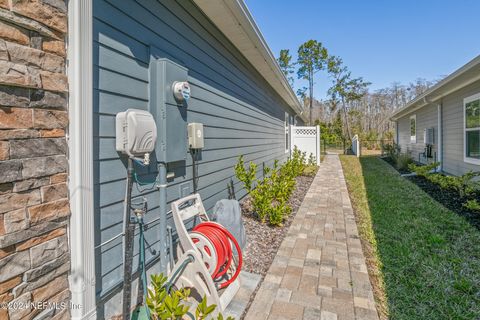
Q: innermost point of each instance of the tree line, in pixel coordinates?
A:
(350, 108)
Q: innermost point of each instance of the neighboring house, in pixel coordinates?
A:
(446, 120)
(62, 183)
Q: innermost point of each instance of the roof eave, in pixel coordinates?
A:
(464, 76)
(246, 36)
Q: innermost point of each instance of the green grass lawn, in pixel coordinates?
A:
(427, 257)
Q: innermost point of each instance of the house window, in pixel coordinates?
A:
(471, 116)
(287, 133)
(413, 129)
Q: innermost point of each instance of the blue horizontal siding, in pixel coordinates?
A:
(241, 113)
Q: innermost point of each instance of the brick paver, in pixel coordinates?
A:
(319, 271)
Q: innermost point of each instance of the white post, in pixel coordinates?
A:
(356, 145)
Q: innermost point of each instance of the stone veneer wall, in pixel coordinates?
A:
(34, 205)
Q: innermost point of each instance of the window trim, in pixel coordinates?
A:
(465, 158)
(287, 136)
(413, 139)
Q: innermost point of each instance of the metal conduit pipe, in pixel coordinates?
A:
(162, 234)
(129, 229)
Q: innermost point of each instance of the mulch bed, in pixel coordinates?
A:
(448, 198)
(264, 240)
(392, 163)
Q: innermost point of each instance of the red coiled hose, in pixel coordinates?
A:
(220, 238)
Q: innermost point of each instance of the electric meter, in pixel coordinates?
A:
(181, 91)
(136, 132)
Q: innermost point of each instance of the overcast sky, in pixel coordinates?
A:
(382, 41)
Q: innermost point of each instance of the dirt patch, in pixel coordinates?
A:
(264, 240)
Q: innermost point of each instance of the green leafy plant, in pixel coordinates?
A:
(473, 205)
(261, 200)
(310, 171)
(167, 304)
(424, 170)
(465, 184)
(403, 160)
(297, 162)
(271, 194)
(247, 176)
(443, 181)
(312, 161)
(391, 150)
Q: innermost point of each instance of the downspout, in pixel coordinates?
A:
(162, 234)
(396, 132)
(440, 136)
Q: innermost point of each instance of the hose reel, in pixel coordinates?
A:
(215, 245)
(214, 273)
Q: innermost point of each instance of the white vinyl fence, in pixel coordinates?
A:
(356, 145)
(307, 139)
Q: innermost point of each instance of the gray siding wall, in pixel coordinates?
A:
(426, 118)
(453, 131)
(240, 111)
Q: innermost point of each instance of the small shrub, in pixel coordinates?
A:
(247, 176)
(261, 200)
(310, 171)
(424, 170)
(271, 194)
(171, 304)
(392, 150)
(402, 161)
(278, 213)
(297, 162)
(312, 160)
(443, 181)
(472, 205)
(464, 185)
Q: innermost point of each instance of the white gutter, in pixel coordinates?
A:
(234, 20)
(467, 74)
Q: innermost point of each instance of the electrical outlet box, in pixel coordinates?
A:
(195, 136)
(169, 112)
(136, 132)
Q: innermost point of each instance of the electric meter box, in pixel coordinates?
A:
(195, 136)
(136, 132)
(169, 112)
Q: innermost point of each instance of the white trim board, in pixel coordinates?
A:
(465, 158)
(80, 134)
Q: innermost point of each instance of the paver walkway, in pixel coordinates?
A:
(319, 271)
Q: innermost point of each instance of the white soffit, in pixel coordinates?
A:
(236, 23)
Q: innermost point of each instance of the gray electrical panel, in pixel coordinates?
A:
(170, 114)
(429, 136)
